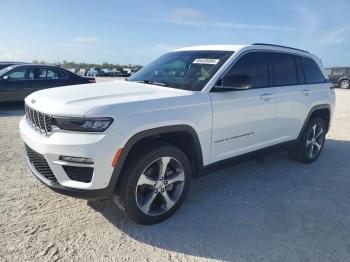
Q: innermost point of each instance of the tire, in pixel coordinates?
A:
(148, 196)
(312, 141)
(345, 84)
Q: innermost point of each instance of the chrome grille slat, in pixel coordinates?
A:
(45, 125)
(33, 118)
(40, 121)
(38, 118)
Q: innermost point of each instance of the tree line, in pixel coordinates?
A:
(80, 65)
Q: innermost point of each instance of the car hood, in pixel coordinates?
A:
(77, 100)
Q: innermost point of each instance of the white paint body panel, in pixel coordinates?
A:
(242, 122)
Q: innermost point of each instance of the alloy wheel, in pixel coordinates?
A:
(160, 186)
(345, 84)
(314, 141)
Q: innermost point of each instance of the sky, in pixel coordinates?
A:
(136, 32)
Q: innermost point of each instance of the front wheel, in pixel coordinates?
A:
(155, 184)
(312, 141)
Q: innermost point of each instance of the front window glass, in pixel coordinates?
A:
(250, 71)
(189, 70)
(21, 74)
(18, 74)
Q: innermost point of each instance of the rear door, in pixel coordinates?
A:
(47, 77)
(243, 118)
(287, 77)
(316, 85)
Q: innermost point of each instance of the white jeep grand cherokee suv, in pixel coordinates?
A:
(143, 139)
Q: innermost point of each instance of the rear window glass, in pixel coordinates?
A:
(338, 72)
(301, 78)
(283, 70)
(52, 73)
(312, 72)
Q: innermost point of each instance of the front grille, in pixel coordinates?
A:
(40, 121)
(81, 174)
(40, 164)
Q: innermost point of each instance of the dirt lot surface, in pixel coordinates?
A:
(271, 209)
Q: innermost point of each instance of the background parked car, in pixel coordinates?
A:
(133, 71)
(95, 71)
(6, 64)
(18, 81)
(113, 72)
(74, 70)
(124, 73)
(82, 72)
(339, 76)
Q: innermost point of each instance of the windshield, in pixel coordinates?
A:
(189, 70)
(5, 70)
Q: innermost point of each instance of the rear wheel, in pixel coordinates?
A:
(344, 84)
(312, 141)
(155, 184)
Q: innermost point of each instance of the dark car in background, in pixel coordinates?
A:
(339, 76)
(6, 64)
(18, 81)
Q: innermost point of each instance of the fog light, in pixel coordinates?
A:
(73, 159)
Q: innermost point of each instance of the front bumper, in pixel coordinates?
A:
(98, 147)
(94, 194)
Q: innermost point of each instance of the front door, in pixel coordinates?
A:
(17, 84)
(243, 118)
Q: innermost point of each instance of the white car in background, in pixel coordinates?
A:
(143, 140)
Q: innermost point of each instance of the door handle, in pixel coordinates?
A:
(306, 92)
(266, 97)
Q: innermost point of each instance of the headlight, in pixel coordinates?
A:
(82, 124)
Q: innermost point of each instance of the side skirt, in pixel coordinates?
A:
(255, 155)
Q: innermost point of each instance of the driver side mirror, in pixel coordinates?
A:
(232, 83)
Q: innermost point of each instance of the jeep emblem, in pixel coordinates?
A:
(33, 101)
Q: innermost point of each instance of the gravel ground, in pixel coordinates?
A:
(271, 209)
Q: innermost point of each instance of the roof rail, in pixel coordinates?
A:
(281, 46)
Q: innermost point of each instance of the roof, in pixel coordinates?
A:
(213, 47)
(12, 63)
(235, 48)
(28, 64)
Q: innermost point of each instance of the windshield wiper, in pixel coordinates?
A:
(150, 82)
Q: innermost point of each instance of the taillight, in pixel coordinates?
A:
(92, 81)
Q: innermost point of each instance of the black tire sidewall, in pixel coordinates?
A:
(302, 152)
(139, 163)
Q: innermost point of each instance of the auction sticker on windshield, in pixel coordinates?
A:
(206, 61)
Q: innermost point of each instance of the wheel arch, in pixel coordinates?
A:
(167, 133)
(323, 111)
(343, 78)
